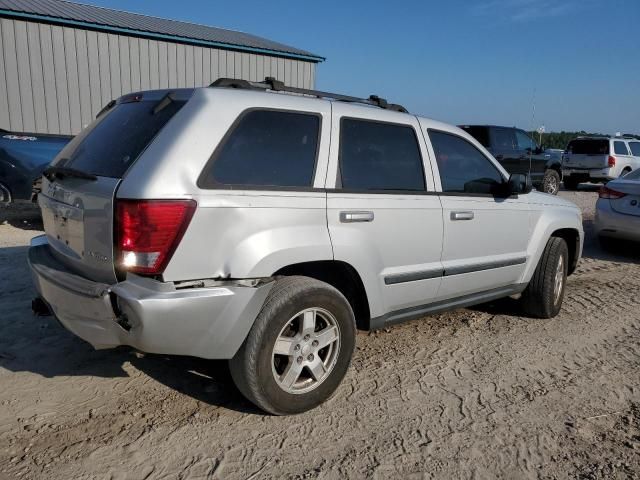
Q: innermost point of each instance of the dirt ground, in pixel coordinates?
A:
(477, 393)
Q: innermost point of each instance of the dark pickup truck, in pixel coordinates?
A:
(23, 157)
(517, 152)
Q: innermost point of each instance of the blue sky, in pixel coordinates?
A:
(483, 61)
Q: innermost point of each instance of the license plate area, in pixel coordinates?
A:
(64, 225)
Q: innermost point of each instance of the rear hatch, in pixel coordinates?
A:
(78, 189)
(587, 153)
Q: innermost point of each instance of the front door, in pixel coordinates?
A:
(485, 234)
(384, 216)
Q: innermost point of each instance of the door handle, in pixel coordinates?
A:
(461, 215)
(351, 217)
(499, 157)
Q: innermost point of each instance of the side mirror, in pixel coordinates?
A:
(519, 183)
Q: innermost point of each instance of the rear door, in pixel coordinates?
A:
(383, 215)
(77, 197)
(485, 234)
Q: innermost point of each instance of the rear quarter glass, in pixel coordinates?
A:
(113, 142)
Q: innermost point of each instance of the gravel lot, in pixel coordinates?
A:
(476, 393)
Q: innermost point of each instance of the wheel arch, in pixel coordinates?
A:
(342, 276)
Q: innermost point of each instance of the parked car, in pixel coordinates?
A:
(599, 159)
(233, 222)
(23, 157)
(517, 152)
(618, 209)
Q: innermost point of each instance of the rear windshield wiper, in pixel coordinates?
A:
(60, 172)
(163, 103)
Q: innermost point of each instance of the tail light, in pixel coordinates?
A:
(148, 232)
(610, 194)
(612, 161)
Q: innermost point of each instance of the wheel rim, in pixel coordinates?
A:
(558, 281)
(551, 184)
(306, 350)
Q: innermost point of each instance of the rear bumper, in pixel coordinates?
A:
(609, 223)
(151, 316)
(588, 174)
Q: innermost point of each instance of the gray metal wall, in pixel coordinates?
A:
(55, 79)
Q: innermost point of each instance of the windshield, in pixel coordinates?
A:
(589, 147)
(113, 142)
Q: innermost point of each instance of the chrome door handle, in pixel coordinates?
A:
(350, 217)
(461, 215)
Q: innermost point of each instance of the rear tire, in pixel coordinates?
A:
(551, 182)
(571, 184)
(543, 296)
(284, 366)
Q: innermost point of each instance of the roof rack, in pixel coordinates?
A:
(270, 83)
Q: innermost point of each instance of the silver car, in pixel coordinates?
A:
(618, 208)
(248, 222)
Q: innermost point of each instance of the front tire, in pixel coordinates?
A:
(551, 182)
(544, 295)
(299, 348)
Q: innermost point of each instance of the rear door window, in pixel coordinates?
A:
(113, 142)
(379, 156)
(620, 148)
(635, 148)
(266, 148)
(463, 168)
(589, 147)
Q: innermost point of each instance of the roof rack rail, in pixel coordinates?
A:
(270, 83)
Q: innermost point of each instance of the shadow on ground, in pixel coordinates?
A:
(25, 216)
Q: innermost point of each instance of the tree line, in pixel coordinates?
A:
(559, 139)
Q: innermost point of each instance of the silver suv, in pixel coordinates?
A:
(599, 159)
(247, 223)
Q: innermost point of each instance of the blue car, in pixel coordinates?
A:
(23, 158)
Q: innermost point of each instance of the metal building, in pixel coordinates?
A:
(61, 62)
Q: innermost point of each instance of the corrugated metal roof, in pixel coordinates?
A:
(90, 16)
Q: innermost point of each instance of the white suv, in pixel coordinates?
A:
(234, 222)
(599, 159)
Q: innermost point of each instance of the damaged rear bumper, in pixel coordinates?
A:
(151, 316)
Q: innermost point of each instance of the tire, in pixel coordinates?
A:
(571, 184)
(551, 182)
(543, 296)
(264, 377)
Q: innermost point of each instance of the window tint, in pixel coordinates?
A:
(379, 156)
(524, 141)
(463, 168)
(113, 142)
(589, 147)
(267, 148)
(481, 134)
(635, 148)
(503, 138)
(620, 148)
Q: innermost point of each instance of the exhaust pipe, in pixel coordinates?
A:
(5, 194)
(40, 308)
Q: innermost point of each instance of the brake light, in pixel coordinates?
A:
(612, 161)
(148, 232)
(610, 194)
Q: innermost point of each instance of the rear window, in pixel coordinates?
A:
(620, 148)
(113, 142)
(589, 147)
(266, 148)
